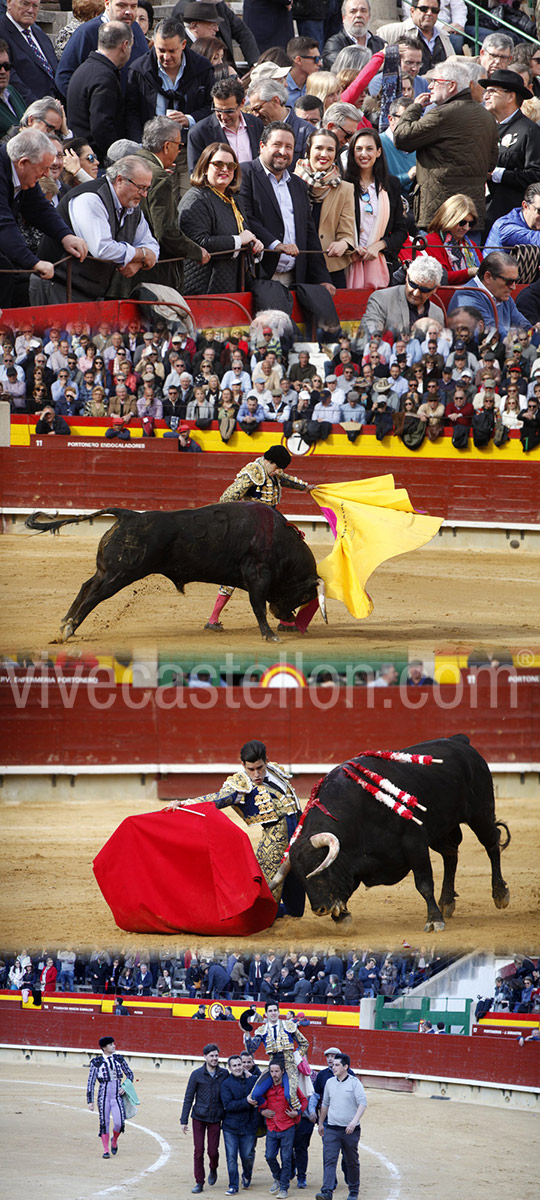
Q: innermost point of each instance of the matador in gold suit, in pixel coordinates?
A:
(260, 480)
(261, 793)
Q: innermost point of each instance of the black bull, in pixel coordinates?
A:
(246, 545)
(363, 841)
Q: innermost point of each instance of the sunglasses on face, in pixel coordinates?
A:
(311, 57)
(417, 287)
(466, 221)
(5, 65)
(424, 9)
(221, 165)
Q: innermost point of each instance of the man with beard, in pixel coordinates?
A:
(356, 15)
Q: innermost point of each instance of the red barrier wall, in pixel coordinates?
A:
(157, 477)
(129, 725)
(452, 1057)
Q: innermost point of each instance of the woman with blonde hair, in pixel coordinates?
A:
(331, 200)
(448, 239)
(96, 406)
(324, 85)
(210, 213)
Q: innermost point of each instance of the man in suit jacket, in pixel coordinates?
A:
(95, 104)
(228, 27)
(257, 971)
(32, 52)
(277, 209)
(397, 308)
(85, 39)
(518, 163)
(12, 104)
(227, 124)
(26, 159)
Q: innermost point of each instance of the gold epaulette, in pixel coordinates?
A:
(277, 767)
(239, 782)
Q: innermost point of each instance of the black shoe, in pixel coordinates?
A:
(212, 1178)
(246, 1181)
(198, 1188)
(106, 1155)
(114, 1149)
(216, 626)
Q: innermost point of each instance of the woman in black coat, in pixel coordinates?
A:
(210, 214)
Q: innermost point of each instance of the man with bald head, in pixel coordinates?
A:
(25, 160)
(106, 212)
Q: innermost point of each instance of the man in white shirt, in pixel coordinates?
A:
(117, 233)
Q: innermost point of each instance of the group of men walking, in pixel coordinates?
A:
(245, 1103)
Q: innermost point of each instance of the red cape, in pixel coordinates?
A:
(192, 871)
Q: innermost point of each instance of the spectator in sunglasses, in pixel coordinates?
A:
(80, 162)
(448, 239)
(12, 105)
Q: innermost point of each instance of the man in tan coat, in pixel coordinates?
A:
(456, 143)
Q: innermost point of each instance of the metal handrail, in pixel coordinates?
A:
(479, 9)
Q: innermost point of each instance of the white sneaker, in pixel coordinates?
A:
(275, 1188)
(282, 1195)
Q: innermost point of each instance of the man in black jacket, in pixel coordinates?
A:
(239, 1123)
(278, 212)
(228, 27)
(26, 159)
(32, 53)
(228, 123)
(95, 104)
(519, 144)
(203, 1100)
(356, 15)
(170, 80)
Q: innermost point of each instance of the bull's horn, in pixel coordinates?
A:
(280, 875)
(325, 839)
(322, 599)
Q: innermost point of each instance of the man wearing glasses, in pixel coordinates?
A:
(343, 119)
(228, 123)
(398, 308)
(108, 211)
(456, 142)
(491, 288)
(518, 163)
(435, 43)
(95, 103)
(12, 105)
(306, 59)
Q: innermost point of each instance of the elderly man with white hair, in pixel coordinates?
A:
(397, 308)
(456, 142)
(267, 99)
(25, 160)
(106, 212)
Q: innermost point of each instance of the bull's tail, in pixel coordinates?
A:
(503, 825)
(44, 522)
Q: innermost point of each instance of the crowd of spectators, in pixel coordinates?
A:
(431, 379)
(211, 153)
(516, 988)
(291, 977)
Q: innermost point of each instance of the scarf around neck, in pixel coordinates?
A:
(319, 183)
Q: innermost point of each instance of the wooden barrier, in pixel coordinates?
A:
(42, 725)
(468, 1059)
(480, 486)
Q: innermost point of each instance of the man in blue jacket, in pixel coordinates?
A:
(239, 1123)
(490, 289)
(520, 226)
(85, 39)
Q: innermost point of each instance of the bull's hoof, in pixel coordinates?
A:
(448, 909)
(66, 630)
(216, 626)
(271, 637)
(434, 927)
(502, 900)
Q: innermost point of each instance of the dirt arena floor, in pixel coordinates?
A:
(459, 598)
(411, 1147)
(50, 896)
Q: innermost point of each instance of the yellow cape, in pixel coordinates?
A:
(374, 521)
